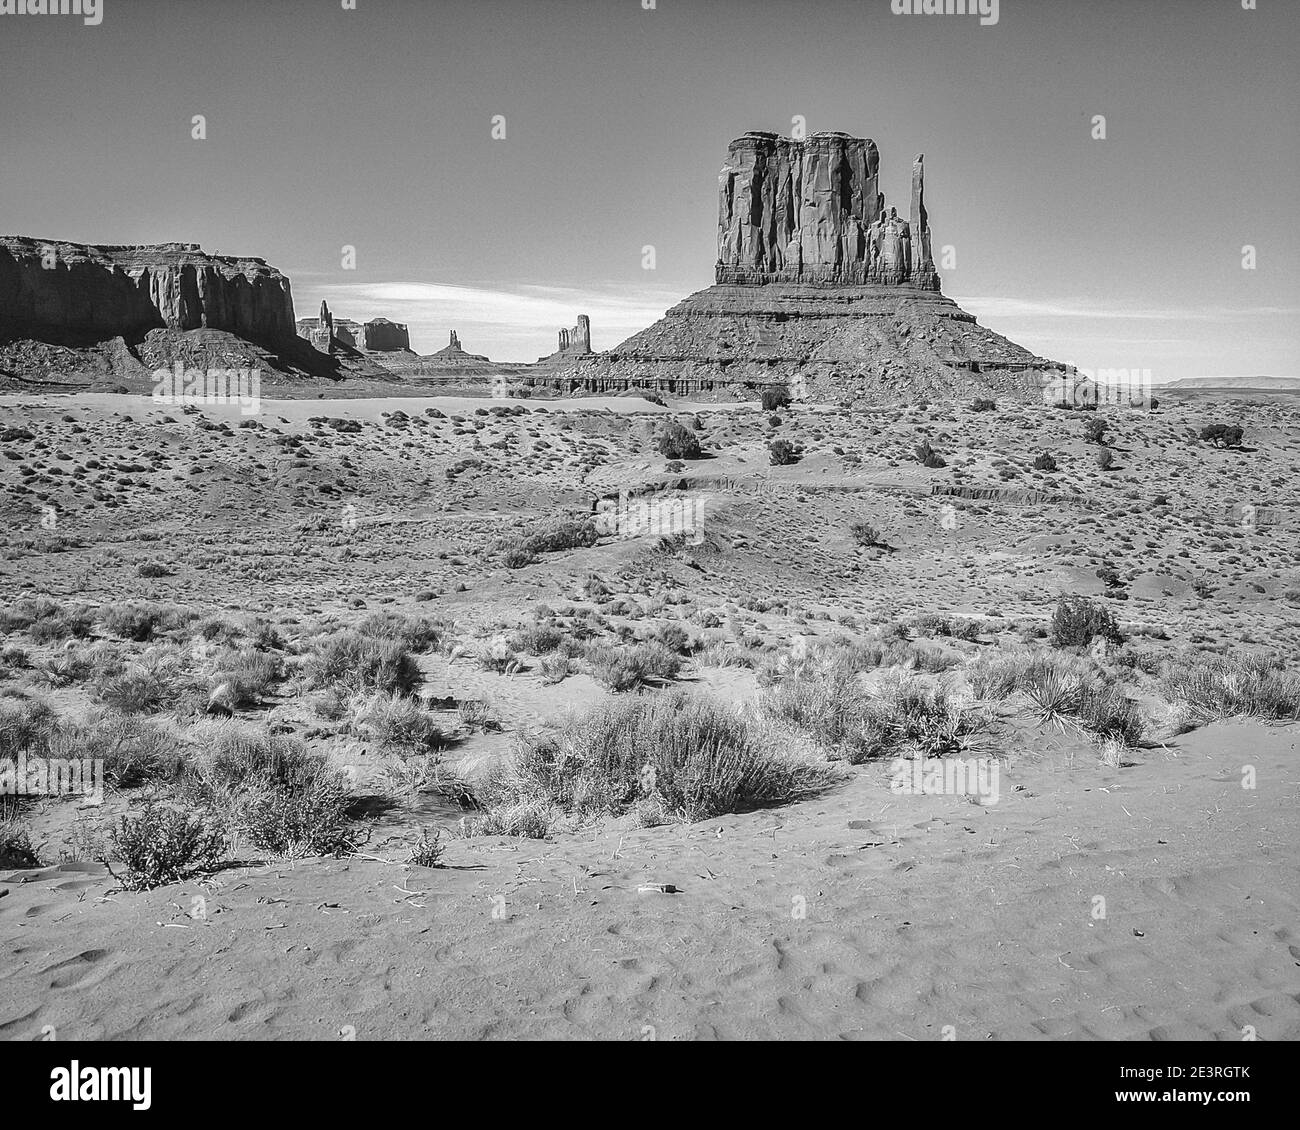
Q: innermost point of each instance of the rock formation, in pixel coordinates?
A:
(819, 286)
(331, 335)
(453, 354)
(76, 295)
(812, 212)
(577, 339)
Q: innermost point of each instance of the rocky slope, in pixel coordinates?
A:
(820, 288)
(75, 294)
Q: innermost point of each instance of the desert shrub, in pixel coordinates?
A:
(303, 817)
(537, 639)
(245, 677)
(1208, 688)
(1095, 429)
(46, 620)
(775, 398)
(675, 638)
(629, 668)
(1222, 435)
(1044, 462)
(237, 757)
(516, 557)
(553, 538)
(134, 752)
(361, 664)
(161, 845)
(414, 633)
(140, 621)
(865, 534)
(555, 668)
(1077, 621)
(397, 721)
(826, 701)
(428, 851)
(154, 569)
(782, 453)
(283, 797)
(678, 442)
(693, 754)
(16, 847)
(156, 682)
(1105, 459)
(984, 406)
(912, 719)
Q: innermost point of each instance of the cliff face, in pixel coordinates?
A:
(75, 294)
(811, 211)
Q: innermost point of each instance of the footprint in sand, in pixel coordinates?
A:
(80, 971)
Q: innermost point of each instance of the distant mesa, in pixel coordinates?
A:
(819, 285)
(75, 294)
(341, 335)
(452, 353)
(127, 310)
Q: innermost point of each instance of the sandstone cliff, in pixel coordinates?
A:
(820, 287)
(74, 294)
(812, 212)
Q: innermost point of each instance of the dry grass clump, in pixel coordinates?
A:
(158, 680)
(16, 847)
(1062, 690)
(244, 677)
(141, 621)
(1203, 688)
(826, 700)
(357, 663)
(552, 538)
(416, 634)
(134, 752)
(46, 620)
(688, 754)
(395, 722)
(282, 797)
(631, 667)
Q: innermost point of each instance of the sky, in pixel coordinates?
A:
(373, 128)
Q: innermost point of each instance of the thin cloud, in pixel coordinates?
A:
(997, 307)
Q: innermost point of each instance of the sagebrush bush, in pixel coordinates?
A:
(141, 621)
(362, 664)
(302, 817)
(551, 538)
(16, 847)
(397, 722)
(245, 676)
(1209, 688)
(161, 844)
(782, 453)
(631, 667)
(678, 442)
(1077, 621)
(415, 633)
(46, 620)
(689, 751)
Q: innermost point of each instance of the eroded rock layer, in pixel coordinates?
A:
(76, 294)
(868, 342)
(812, 211)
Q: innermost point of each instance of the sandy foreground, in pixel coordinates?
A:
(1160, 900)
(861, 915)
